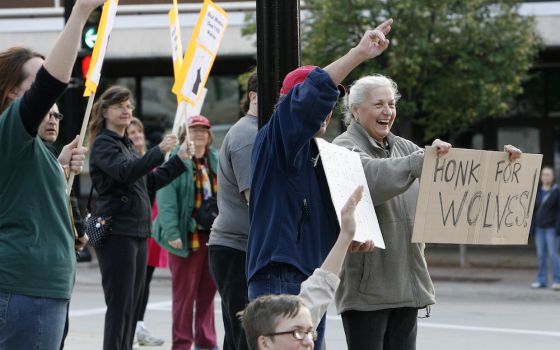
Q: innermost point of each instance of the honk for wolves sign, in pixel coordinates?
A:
(476, 197)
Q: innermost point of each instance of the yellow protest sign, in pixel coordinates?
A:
(176, 45)
(104, 30)
(201, 52)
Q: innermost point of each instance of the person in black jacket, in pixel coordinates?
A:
(123, 180)
(546, 224)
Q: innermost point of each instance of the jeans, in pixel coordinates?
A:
(279, 278)
(28, 322)
(389, 329)
(546, 242)
(227, 266)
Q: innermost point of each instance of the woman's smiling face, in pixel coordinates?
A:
(377, 113)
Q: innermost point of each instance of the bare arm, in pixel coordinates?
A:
(247, 194)
(372, 44)
(61, 59)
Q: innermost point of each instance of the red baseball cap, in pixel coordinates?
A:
(297, 76)
(199, 120)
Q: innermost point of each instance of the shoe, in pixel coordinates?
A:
(555, 286)
(146, 339)
(537, 285)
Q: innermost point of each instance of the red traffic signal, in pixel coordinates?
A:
(86, 60)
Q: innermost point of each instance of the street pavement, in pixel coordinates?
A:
(487, 305)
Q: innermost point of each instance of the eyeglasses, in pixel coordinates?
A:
(122, 108)
(298, 334)
(56, 115)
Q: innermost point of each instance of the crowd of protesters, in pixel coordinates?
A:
(275, 250)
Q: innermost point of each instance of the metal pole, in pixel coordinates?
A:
(278, 49)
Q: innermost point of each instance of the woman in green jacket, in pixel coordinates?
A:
(176, 229)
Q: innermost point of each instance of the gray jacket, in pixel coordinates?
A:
(397, 276)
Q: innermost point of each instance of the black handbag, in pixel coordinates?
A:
(96, 227)
(207, 213)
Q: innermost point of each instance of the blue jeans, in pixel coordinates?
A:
(31, 322)
(546, 242)
(279, 278)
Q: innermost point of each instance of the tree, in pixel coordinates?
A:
(456, 62)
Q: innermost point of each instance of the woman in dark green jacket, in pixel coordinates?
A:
(176, 229)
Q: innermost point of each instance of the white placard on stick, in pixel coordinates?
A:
(344, 172)
(476, 197)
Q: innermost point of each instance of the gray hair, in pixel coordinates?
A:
(358, 90)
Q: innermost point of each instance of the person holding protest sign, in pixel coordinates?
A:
(546, 227)
(123, 181)
(36, 240)
(291, 237)
(289, 322)
(227, 246)
(383, 290)
(183, 228)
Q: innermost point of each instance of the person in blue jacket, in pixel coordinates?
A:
(293, 221)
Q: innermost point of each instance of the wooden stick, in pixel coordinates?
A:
(82, 136)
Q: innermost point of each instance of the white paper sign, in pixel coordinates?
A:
(344, 172)
(211, 30)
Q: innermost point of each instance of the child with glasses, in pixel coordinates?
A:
(289, 322)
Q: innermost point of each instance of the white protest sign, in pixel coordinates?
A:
(201, 52)
(476, 197)
(344, 172)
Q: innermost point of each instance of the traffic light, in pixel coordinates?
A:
(89, 33)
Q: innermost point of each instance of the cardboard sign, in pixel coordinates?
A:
(344, 172)
(201, 52)
(98, 55)
(476, 197)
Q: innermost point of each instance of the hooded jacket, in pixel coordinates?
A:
(398, 275)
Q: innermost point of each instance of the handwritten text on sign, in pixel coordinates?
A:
(476, 197)
(344, 172)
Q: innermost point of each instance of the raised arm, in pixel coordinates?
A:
(372, 44)
(318, 290)
(60, 61)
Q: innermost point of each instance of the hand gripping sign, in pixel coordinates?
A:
(94, 72)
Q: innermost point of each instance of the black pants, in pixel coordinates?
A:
(389, 329)
(227, 266)
(144, 302)
(122, 262)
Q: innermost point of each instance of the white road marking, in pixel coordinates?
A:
(166, 306)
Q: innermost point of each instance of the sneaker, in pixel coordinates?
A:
(555, 286)
(537, 285)
(146, 339)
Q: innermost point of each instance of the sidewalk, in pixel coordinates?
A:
(482, 256)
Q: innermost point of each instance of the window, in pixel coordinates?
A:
(525, 138)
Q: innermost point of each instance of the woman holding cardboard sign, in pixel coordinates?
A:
(383, 290)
